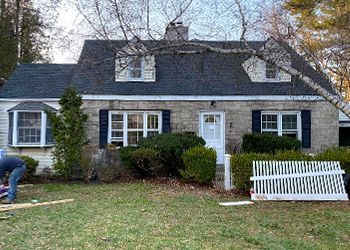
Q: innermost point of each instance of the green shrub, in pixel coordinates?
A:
(125, 154)
(242, 168)
(31, 165)
(336, 154)
(268, 143)
(171, 148)
(242, 164)
(291, 155)
(148, 162)
(200, 164)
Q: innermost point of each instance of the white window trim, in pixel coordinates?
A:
(125, 123)
(279, 122)
(42, 130)
(133, 79)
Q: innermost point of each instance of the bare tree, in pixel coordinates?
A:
(114, 19)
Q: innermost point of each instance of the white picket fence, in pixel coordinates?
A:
(297, 180)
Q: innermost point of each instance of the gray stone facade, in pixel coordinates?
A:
(238, 117)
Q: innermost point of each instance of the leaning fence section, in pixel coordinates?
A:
(297, 180)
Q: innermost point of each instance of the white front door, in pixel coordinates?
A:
(212, 131)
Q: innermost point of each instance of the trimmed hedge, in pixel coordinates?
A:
(336, 154)
(200, 164)
(268, 143)
(171, 147)
(242, 164)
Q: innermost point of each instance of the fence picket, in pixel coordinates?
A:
(298, 180)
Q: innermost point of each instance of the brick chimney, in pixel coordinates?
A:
(176, 32)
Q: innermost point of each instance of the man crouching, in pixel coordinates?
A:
(16, 167)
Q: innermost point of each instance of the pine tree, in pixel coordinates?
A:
(68, 128)
(22, 37)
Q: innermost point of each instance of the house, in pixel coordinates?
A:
(344, 129)
(217, 96)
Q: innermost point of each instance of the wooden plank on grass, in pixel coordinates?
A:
(236, 203)
(29, 205)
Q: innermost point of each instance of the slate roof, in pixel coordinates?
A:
(38, 81)
(33, 106)
(190, 74)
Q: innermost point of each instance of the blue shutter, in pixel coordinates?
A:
(166, 121)
(306, 128)
(103, 127)
(256, 121)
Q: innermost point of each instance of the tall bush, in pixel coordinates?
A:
(200, 164)
(171, 147)
(268, 143)
(336, 154)
(68, 128)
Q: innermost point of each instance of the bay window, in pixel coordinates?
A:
(129, 127)
(29, 129)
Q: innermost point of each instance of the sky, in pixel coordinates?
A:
(207, 19)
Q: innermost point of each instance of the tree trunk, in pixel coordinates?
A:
(17, 29)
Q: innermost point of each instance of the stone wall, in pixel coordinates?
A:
(238, 117)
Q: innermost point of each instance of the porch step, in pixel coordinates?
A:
(219, 179)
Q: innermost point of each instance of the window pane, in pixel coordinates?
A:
(270, 132)
(269, 121)
(135, 121)
(289, 121)
(29, 127)
(292, 135)
(271, 71)
(152, 121)
(10, 128)
(134, 137)
(49, 135)
(135, 67)
(117, 121)
(117, 134)
(151, 133)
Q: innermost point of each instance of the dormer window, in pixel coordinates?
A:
(271, 71)
(133, 63)
(135, 68)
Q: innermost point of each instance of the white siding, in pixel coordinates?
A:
(43, 155)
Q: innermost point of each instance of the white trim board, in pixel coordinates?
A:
(181, 98)
(202, 98)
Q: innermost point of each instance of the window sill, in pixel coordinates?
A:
(31, 146)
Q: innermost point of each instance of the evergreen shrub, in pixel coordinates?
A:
(268, 143)
(200, 164)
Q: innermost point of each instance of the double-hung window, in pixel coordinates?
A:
(129, 127)
(284, 123)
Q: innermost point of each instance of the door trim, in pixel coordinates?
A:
(222, 115)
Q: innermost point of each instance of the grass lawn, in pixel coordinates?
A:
(172, 216)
